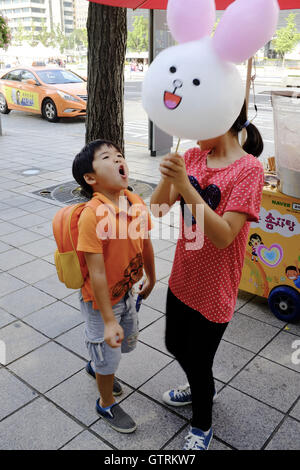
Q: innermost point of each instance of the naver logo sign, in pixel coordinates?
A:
(2, 353)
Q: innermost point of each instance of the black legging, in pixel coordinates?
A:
(194, 340)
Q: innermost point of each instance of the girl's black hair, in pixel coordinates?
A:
(254, 143)
(83, 163)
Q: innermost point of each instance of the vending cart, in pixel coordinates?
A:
(272, 263)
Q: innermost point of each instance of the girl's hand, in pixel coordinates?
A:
(173, 168)
(147, 288)
(113, 334)
(162, 165)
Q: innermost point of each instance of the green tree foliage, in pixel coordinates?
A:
(138, 39)
(79, 38)
(22, 35)
(44, 36)
(60, 38)
(73, 41)
(5, 36)
(19, 35)
(32, 36)
(287, 37)
(54, 38)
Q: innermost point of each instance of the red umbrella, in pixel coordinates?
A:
(162, 4)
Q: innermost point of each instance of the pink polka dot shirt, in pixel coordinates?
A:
(207, 279)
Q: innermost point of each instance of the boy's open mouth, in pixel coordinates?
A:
(122, 171)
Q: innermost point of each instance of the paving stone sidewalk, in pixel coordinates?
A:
(47, 399)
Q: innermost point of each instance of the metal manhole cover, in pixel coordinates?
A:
(68, 193)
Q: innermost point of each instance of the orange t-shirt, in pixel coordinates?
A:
(118, 233)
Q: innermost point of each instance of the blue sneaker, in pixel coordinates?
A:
(198, 440)
(180, 396)
(116, 417)
(117, 390)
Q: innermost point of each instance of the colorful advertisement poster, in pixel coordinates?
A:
(24, 98)
(273, 249)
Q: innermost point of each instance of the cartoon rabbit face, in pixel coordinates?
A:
(183, 90)
(194, 90)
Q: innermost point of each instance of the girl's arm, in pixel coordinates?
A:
(112, 329)
(221, 231)
(165, 194)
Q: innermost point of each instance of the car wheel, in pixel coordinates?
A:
(284, 303)
(49, 111)
(3, 105)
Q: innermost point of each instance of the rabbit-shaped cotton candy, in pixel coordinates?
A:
(194, 90)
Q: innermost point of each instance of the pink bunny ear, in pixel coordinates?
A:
(190, 20)
(245, 27)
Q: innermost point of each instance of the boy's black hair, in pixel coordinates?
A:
(291, 268)
(254, 143)
(83, 163)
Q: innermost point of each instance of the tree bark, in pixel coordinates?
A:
(107, 38)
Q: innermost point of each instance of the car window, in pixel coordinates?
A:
(55, 77)
(26, 75)
(13, 75)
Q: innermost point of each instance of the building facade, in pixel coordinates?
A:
(80, 13)
(34, 13)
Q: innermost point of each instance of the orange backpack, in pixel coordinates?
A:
(70, 263)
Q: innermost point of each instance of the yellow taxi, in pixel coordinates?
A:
(51, 92)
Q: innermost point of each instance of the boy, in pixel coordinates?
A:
(114, 264)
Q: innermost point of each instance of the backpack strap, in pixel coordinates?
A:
(69, 222)
(94, 203)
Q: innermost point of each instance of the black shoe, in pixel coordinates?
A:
(117, 390)
(116, 417)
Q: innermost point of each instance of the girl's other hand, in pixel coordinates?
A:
(165, 160)
(167, 164)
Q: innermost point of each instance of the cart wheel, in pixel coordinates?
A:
(284, 302)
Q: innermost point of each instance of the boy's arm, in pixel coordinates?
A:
(149, 267)
(112, 329)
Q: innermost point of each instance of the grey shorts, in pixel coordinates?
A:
(105, 358)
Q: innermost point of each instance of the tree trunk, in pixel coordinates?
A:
(107, 37)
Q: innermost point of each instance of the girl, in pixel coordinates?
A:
(255, 241)
(228, 181)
